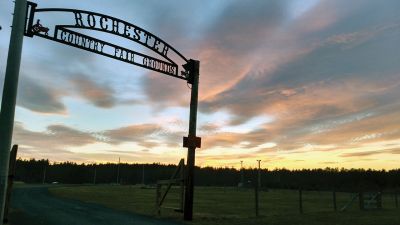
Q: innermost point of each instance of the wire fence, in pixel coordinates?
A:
(240, 202)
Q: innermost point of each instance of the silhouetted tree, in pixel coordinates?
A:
(31, 171)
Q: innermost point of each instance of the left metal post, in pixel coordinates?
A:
(11, 175)
(10, 96)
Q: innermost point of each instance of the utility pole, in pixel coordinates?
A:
(44, 174)
(241, 173)
(259, 173)
(256, 185)
(10, 96)
(119, 163)
(95, 173)
(257, 188)
(143, 174)
(192, 141)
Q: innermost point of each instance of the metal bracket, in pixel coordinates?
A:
(189, 142)
(189, 71)
(30, 14)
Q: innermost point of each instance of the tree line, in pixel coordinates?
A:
(42, 171)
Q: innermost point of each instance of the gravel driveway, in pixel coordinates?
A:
(35, 206)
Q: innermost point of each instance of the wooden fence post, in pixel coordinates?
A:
(44, 174)
(256, 195)
(334, 200)
(11, 174)
(379, 199)
(300, 200)
(361, 200)
(158, 197)
(182, 185)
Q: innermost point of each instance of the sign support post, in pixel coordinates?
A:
(10, 96)
(192, 141)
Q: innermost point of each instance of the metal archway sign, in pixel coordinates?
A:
(27, 22)
(86, 20)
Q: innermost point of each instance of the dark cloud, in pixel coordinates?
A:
(361, 154)
(238, 30)
(209, 128)
(56, 138)
(229, 139)
(70, 136)
(172, 139)
(38, 98)
(149, 144)
(371, 153)
(393, 150)
(166, 91)
(242, 27)
(99, 95)
(134, 133)
(330, 163)
(299, 91)
(384, 126)
(354, 15)
(323, 133)
(329, 66)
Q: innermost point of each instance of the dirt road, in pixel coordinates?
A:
(35, 206)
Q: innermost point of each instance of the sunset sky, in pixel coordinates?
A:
(295, 83)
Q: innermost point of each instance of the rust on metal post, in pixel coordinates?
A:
(11, 175)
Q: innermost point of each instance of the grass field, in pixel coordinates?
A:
(223, 206)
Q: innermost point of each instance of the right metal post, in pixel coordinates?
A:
(189, 187)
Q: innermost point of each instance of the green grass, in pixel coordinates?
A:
(231, 206)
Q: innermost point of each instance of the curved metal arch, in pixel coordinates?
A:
(116, 19)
